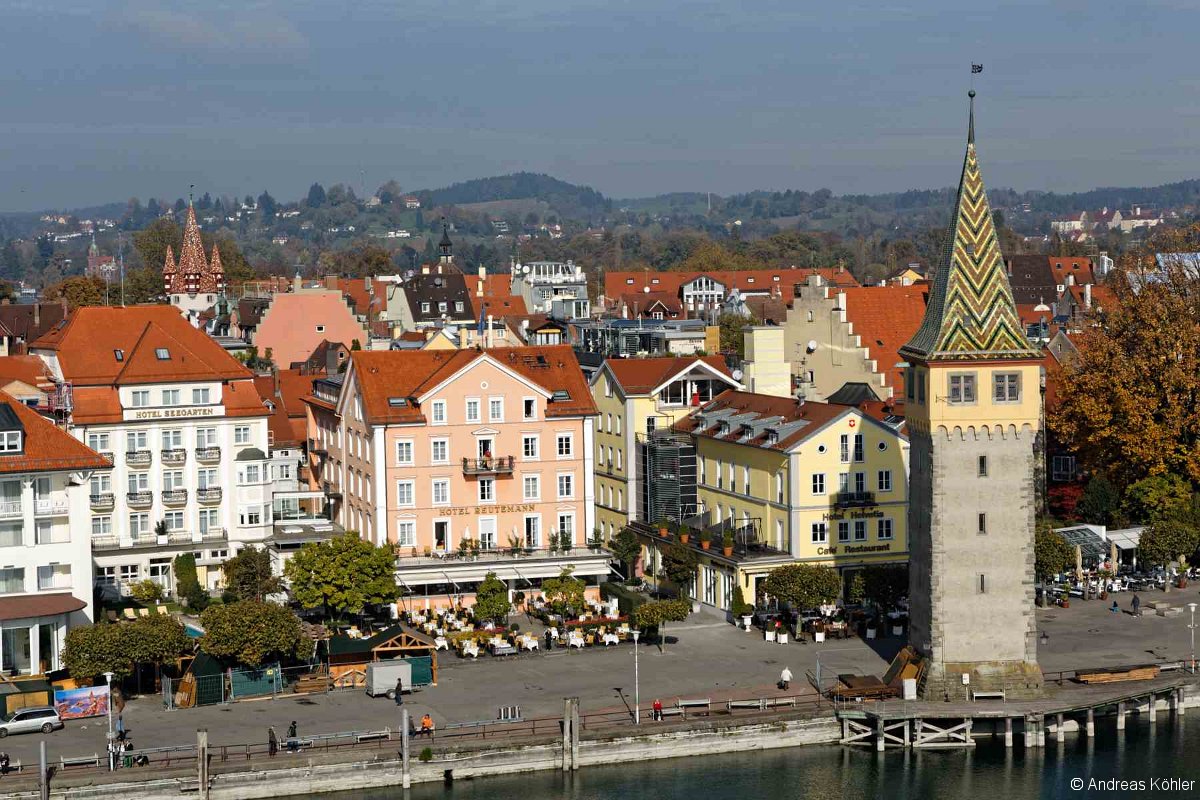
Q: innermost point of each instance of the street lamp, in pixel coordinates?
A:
(637, 694)
(108, 679)
(1192, 630)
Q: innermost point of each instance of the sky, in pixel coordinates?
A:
(103, 100)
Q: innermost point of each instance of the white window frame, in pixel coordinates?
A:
(537, 487)
(433, 451)
(495, 404)
(526, 440)
(437, 412)
(570, 478)
(569, 438)
(468, 404)
(820, 533)
(404, 447)
(444, 485)
(401, 486)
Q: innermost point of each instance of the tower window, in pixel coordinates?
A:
(982, 583)
(982, 524)
(962, 388)
(1006, 387)
(983, 466)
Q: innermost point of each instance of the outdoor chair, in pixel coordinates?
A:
(129, 614)
(163, 611)
(440, 643)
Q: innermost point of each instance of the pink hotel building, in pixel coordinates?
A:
(433, 448)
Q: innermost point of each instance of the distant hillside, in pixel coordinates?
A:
(568, 200)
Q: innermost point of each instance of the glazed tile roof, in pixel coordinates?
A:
(384, 374)
(970, 314)
(639, 376)
(46, 446)
(194, 274)
(88, 341)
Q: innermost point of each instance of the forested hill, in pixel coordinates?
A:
(569, 200)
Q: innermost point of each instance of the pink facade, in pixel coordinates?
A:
(296, 322)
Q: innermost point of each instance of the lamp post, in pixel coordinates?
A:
(108, 679)
(637, 694)
(1192, 630)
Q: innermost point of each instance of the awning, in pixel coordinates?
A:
(39, 605)
(1126, 538)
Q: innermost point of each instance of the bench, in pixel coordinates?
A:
(671, 711)
(80, 761)
(779, 702)
(684, 706)
(987, 696)
(755, 705)
(13, 766)
(372, 736)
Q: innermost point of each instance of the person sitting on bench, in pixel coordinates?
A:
(427, 725)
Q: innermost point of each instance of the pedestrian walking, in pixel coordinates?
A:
(1115, 607)
(399, 691)
(293, 742)
(657, 715)
(785, 679)
(272, 742)
(120, 727)
(1137, 605)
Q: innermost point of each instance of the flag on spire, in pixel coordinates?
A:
(976, 69)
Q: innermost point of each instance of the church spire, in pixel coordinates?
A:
(970, 314)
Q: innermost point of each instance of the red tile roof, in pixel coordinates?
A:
(498, 285)
(27, 369)
(499, 305)
(285, 390)
(885, 318)
(638, 376)
(645, 303)
(383, 374)
(1079, 266)
(46, 446)
(789, 409)
(87, 343)
(744, 280)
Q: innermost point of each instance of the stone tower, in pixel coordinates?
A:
(973, 406)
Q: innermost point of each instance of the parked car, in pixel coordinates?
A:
(29, 720)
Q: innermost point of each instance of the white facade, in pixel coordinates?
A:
(44, 549)
(176, 459)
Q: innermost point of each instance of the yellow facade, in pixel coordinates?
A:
(937, 399)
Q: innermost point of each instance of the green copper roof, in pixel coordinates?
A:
(970, 314)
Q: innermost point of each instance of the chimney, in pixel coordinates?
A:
(37, 315)
(370, 285)
(331, 281)
(296, 282)
(1087, 296)
(462, 338)
(482, 280)
(488, 332)
(424, 269)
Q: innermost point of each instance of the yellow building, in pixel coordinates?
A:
(792, 481)
(636, 396)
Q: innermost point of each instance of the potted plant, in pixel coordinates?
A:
(514, 544)
(684, 535)
(475, 549)
(663, 529)
(160, 532)
(705, 540)
(727, 543)
(464, 545)
(595, 542)
(428, 551)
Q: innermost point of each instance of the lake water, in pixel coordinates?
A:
(1170, 750)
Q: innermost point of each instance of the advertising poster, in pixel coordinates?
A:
(89, 701)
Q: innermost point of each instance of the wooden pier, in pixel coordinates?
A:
(922, 724)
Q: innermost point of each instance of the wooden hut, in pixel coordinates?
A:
(349, 656)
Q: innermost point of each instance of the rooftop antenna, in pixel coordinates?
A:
(191, 191)
(121, 263)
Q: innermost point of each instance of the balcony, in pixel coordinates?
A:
(45, 507)
(174, 497)
(179, 537)
(208, 455)
(316, 448)
(11, 508)
(138, 458)
(139, 499)
(173, 458)
(210, 495)
(853, 499)
(103, 501)
(213, 535)
(106, 542)
(496, 465)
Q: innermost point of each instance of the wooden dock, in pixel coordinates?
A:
(925, 724)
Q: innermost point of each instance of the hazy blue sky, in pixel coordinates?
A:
(105, 99)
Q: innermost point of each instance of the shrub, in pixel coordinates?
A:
(146, 591)
(426, 755)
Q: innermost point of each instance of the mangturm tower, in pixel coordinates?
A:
(973, 409)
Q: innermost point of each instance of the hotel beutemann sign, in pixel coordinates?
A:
(183, 412)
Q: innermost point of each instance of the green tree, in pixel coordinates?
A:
(679, 562)
(1099, 502)
(732, 327)
(491, 599)
(156, 639)
(656, 614)
(1157, 497)
(627, 548)
(78, 290)
(342, 575)
(564, 594)
(141, 286)
(250, 632)
(187, 583)
(1051, 553)
(803, 586)
(152, 242)
(92, 650)
(882, 585)
(316, 196)
(146, 591)
(739, 607)
(248, 574)
(1167, 540)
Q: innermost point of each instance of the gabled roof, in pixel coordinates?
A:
(28, 321)
(641, 376)
(88, 341)
(30, 370)
(498, 305)
(434, 288)
(409, 374)
(884, 318)
(47, 448)
(970, 313)
(1077, 267)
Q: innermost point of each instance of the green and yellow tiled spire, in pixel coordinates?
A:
(970, 314)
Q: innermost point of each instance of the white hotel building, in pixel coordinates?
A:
(187, 433)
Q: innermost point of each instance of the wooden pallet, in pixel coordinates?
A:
(313, 682)
(1143, 673)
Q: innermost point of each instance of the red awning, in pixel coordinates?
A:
(39, 605)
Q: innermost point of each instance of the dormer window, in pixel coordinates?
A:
(10, 442)
(162, 354)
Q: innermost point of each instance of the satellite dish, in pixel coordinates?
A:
(525, 269)
(737, 374)
(812, 345)
(646, 289)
